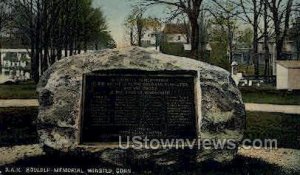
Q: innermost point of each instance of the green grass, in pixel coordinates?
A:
(283, 127)
(270, 96)
(26, 90)
(17, 126)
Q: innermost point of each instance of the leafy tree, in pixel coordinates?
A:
(246, 37)
(224, 14)
(219, 45)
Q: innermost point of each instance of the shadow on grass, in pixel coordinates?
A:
(18, 126)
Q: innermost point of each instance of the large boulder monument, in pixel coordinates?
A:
(89, 102)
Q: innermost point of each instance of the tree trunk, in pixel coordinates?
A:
(71, 47)
(230, 40)
(279, 45)
(255, 38)
(59, 53)
(195, 37)
(255, 48)
(266, 41)
(33, 59)
(139, 32)
(0, 51)
(131, 37)
(35, 65)
(96, 46)
(188, 33)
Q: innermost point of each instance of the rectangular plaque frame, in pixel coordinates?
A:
(176, 77)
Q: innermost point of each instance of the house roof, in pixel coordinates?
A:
(290, 64)
(174, 29)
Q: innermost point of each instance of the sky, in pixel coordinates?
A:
(116, 11)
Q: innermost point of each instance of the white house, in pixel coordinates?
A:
(149, 38)
(288, 75)
(175, 33)
(14, 58)
(14, 65)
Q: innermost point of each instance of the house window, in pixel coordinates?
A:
(179, 38)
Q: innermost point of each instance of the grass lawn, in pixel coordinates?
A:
(283, 127)
(25, 90)
(271, 96)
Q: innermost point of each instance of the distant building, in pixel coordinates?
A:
(15, 63)
(11, 58)
(290, 51)
(175, 33)
(288, 75)
(242, 56)
(150, 38)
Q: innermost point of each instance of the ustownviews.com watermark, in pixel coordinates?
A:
(138, 142)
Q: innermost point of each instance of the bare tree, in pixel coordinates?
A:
(4, 18)
(4, 15)
(51, 26)
(136, 24)
(281, 13)
(192, 9)
(251, 14)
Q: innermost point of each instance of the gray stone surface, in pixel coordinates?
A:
(222, 110)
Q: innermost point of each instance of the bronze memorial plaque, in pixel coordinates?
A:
(152, 104)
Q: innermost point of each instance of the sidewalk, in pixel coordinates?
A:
(19, 103)
(288, 109)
